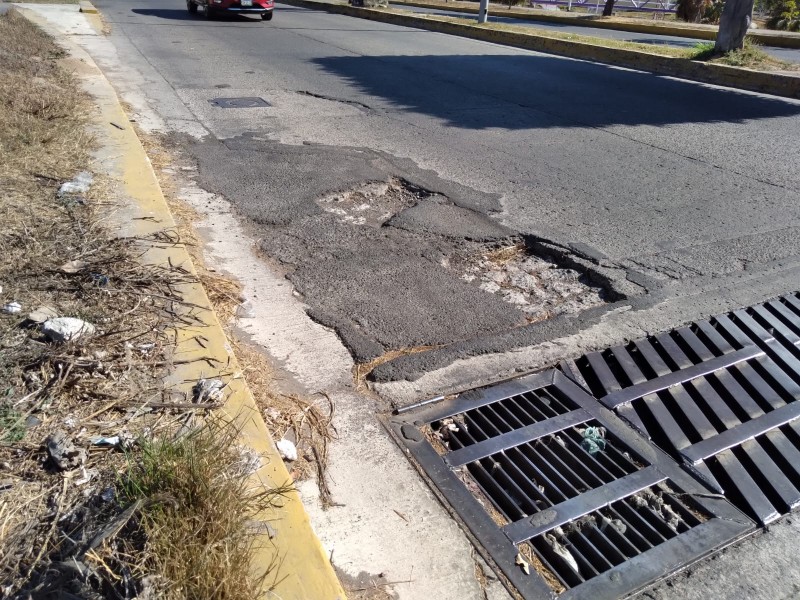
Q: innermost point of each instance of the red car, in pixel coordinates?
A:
(233, 7)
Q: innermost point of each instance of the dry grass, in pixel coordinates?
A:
(533, 560)
(195, 507)
(362, 370)
(505, 254)
(170, 515)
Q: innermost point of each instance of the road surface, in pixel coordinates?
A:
(680, 199)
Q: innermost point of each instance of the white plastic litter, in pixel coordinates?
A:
(208, 390)
(12, 308)
(106, 441)
(287, 450)
(79, 185)
(65, 329)
(562, 552)
(74, 266)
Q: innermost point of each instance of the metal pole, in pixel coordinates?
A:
(483, 13)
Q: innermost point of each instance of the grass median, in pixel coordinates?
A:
(751, 56)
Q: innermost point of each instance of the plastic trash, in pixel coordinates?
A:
(208, 390)
(63, 453)
(562, 552)
(287, 450)
(12, 308)
(593, 439)
(79, 185)
(65, 329)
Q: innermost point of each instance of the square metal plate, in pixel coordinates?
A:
(245, 102)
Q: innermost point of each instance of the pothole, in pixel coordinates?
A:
(537, 286)
(373, 203)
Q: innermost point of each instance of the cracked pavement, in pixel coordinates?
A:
(654, 187)
(680, 197)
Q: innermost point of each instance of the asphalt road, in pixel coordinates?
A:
(680, 196)
(660, 187)
(496, 16)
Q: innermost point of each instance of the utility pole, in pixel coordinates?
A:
(483, 13)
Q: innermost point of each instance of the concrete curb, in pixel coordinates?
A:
(305, 569)
(777, 39)
(777, 84)
(87, 7)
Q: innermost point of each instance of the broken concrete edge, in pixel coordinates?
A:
(778, 39)
(411, 367)
(87, 7)
(303, 567)
(774, 83)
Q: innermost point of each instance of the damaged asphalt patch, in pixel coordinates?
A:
(388, 255)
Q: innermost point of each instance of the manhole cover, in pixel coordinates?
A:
(251, 102)
(566, 499)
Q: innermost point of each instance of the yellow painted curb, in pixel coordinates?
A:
(775, 83)
(202, 349)
(778, 39)
(87, 7)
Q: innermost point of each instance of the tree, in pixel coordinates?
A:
(608, 8)
(733, 24)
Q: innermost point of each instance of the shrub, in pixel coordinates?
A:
(691, 11)
(783, 14)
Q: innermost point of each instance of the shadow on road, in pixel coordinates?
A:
(540, 91)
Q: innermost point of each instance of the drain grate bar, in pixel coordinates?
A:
(515, 437)
(777, 321)
(560, 514)
(741, 433)
(720, 394)
(469, 400)
(677, 377)
(653, 565)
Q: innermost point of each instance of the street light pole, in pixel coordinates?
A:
(483, 13)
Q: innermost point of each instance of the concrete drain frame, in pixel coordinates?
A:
(565, 498)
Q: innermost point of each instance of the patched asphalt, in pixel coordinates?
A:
(655, 187)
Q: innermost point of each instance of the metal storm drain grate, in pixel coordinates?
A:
(721, 396)
(251, 102)
(567, 500)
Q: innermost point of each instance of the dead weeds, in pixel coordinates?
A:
(362, 370)
(114, 520)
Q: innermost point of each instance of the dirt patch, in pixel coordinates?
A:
(373, 203)
(366, 586)
(535, 285)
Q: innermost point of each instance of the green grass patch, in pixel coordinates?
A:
(750, 56)
(195, 504)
